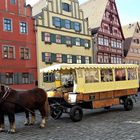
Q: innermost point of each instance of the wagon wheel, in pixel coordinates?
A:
(56, 112)
(107, 107)
(128, 104)
(76, 113)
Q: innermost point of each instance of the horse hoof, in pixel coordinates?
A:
(42, 126)
(26, 124)
(11, 132)
(31, 123)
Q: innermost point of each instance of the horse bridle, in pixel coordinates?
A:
(6, 94)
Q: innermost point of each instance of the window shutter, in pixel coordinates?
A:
(43, 57)
(53, 19)
(42, 36)
(83, 59)
(62, 23)
(63, 40)
(53, 57)
(80, 28)
(70, 8)
(72, 25)
(16, 78)
(73, 41)
(82, 42)
(53, 38)
(53, 78)
(19, 78)
(89, 60)
(31, 78)
(73, 59)
(64, 58)
(3, 78)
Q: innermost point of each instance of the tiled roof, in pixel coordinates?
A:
(94, 9)
(129, 30)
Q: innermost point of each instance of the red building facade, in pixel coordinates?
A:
(18, 65)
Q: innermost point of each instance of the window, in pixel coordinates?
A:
(13, 1)
(87, 60)
(106, 42)
(68, 41)
(132, 74)
(25, 78)
(66, 7)
(69, 59)
(58, 38)
(67, 24)
(100, 58)
(77, 41)
(47, 37)
(113, 43)
(47, 57)
(106, 75)
(9, 78)
(119, 44)
(25, 53)
(91, 76)
(77, 26)
(78, 59)
(100, 41)
(106, 58)
(23, 27)
(86, 44)
(48, 77)
(56, 22)
(120, 74)
(59, 58)
(8, 52)
(7, 25)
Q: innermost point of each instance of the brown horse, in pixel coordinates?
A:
(12, 101)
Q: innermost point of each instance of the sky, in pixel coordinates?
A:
(129, 10)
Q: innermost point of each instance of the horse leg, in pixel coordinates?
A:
(43, 114)
(27, 121)
(2, 123)
(32, 118)
(12, 123)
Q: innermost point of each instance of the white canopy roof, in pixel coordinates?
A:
(58, 67)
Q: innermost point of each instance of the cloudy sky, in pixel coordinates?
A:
(129, 10)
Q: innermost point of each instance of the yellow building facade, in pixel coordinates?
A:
(62, 36)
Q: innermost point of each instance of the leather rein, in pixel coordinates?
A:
(6, 94)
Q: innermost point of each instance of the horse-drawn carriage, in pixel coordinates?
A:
(91, 86)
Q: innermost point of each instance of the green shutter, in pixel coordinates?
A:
(73, 59)
(73, 41)
(53, 57)
(83, 59)
(16, 78)
(31, 78)
(80, 27)
(63, 41)
(44, 77)
(42, 36)
(3, 78)
(53, 19)
(64, 58)
(82, 42)
(53, 38)
(90, 60)
(72, 25)
(62, 23)
(20, 78)
(43, 57)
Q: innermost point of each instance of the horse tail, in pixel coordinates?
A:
(47, 107)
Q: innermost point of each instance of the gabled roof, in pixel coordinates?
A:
(94, 9)
(129, 30)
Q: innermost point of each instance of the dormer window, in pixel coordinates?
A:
(13, 1)
(66, 7)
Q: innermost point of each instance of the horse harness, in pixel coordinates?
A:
(6, 94)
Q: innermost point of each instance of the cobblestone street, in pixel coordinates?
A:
(101, 124)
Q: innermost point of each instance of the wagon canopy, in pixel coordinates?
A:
(59, 67)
